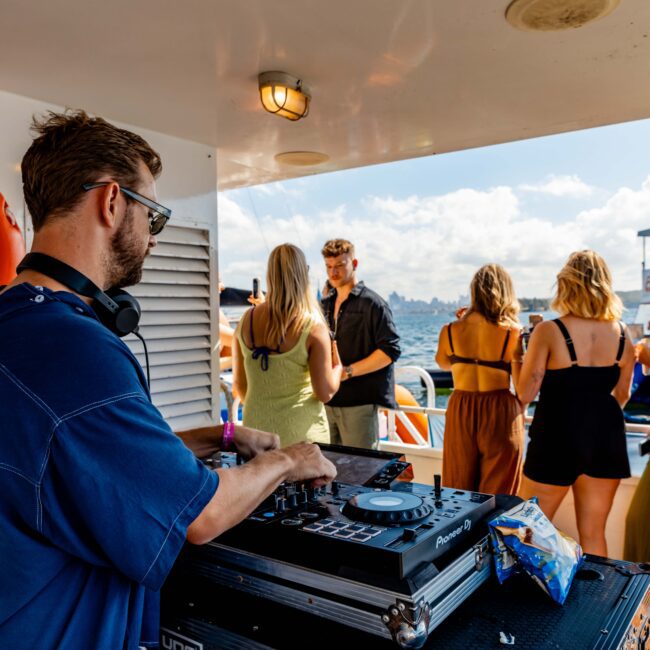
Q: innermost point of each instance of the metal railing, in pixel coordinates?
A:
(633, 430)
(400, 414)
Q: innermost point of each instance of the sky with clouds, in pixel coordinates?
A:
(422, 227)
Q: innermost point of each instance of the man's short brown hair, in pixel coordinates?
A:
(73, 148)
(336, 247)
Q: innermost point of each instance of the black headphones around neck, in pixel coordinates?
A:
(118, 310)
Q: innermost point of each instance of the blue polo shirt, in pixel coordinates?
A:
(96, 490)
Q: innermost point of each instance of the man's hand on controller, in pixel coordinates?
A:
(252, 442)
(308, 463)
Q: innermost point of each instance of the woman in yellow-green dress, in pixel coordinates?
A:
(285, 365)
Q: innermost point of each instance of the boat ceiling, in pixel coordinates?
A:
(390, 79)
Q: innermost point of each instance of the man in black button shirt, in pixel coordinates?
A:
(362, 325)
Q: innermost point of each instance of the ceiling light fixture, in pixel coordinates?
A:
(282, 94)
(302, 158)
(555, 15)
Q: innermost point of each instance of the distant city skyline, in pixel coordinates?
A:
(630, 300)
(423, 226)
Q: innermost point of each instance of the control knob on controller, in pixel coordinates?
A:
(437, 490)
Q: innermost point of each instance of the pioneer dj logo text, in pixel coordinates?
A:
(174, 641)
(444, 539)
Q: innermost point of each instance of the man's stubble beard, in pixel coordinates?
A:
(126, 258)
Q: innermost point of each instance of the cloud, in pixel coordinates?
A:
(561, 186)
(425, 246)
(278, 189)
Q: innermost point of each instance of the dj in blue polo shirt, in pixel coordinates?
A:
(101, 491)
(98, 494)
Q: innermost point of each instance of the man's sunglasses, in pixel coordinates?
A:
(158, 214)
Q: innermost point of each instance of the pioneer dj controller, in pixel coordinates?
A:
(369, 557)
(370, 550)
(384, 531)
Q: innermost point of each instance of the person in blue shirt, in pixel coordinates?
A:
(98, 494)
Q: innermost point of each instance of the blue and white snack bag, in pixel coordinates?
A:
(524, 537)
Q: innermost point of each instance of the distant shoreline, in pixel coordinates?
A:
(399, 304)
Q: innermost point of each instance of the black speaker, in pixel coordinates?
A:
(118, 310)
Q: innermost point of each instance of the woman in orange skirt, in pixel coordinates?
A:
(484, 426)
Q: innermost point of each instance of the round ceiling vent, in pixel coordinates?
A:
(554, 15)
(301, 158)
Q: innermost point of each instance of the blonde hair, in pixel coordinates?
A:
(584, 288)
(336, 247)
(290, 299)
(492, 295)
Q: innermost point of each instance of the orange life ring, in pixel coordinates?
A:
(12, 244)
(420, 421)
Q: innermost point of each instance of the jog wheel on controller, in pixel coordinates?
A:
(386, 508)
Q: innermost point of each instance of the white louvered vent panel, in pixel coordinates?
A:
(183, 396)
(174, 318)
(177, 276)
(155, 290)
(178, 370)
(187, 408)
(179, 357)
(176, 264)
(175, 294)
(179, 383)
(180, 251)
(165, 305)
(175, 344)
(176, 331)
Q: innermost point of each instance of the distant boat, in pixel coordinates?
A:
(231, 297)
(441, 378)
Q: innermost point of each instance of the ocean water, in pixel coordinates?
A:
(419, 334)
(419, 337)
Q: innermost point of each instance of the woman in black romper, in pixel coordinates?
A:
(581, 364)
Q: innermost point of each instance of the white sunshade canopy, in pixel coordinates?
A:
(389, 80)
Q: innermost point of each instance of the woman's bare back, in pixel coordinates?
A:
(260, 315)
(596, 342)
(475, 338)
